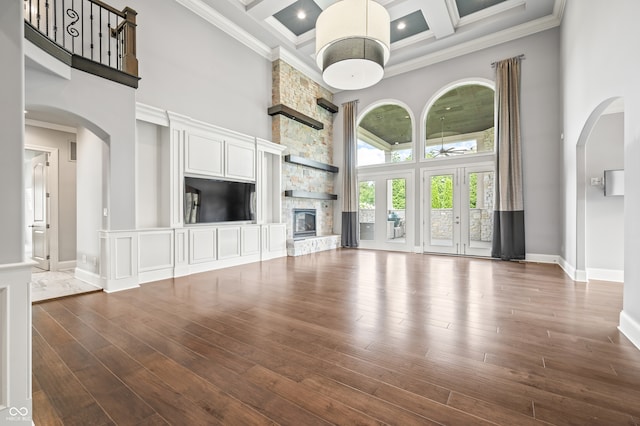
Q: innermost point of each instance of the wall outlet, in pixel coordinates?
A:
(105, 212)
(597, 181)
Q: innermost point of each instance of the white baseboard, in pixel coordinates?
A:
(630, 328)
(88, 277)
(66, 265)
(542, 258)
(615, 275)
(579, 275)
(417, 249)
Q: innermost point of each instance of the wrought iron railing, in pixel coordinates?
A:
(88, 28)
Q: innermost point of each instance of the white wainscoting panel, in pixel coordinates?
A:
(15, 344)
(155, 250)
(181, 244)
(250, 240)
(124, 253)
(202, 245)
(228, 242)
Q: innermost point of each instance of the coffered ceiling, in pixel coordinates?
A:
(423, 32)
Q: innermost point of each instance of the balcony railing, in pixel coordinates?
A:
(95, 34)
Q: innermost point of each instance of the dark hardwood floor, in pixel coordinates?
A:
(341, 337)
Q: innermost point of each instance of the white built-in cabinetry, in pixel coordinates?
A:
(189, 147)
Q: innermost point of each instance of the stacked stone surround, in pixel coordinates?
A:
(295, 90)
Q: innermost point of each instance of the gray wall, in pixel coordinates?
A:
(190, 67)
(588, 85)
(540, 108)
(605, 215)
(66, 185)
(11, 134)
(92, 151)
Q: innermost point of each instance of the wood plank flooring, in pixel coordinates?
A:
(341, 337)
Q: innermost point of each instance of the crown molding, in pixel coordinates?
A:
(205, 11)
(475, 45)
(151, 114)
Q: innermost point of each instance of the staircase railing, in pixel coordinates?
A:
(88, 28)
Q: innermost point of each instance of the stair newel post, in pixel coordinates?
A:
(129, 59)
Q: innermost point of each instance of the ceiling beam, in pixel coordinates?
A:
(262, 9)
(438, 18)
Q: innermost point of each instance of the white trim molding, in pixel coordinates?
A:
(15, 343)
(579, 275)
(151, 114)
(615, 275)
(630, 328)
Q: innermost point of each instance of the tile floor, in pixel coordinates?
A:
(47, 285)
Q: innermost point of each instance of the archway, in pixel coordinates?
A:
(582, 184)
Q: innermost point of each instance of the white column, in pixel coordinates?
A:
(15, 323)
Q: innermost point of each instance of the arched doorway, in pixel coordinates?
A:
(600, 147)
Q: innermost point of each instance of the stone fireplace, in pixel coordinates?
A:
(304, 223)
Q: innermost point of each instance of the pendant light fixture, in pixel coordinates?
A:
(353, 43)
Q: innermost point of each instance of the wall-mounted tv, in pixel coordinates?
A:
(211, 201)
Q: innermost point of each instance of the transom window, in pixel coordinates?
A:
(385, 135)
(461, 122)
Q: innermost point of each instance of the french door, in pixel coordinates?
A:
(386, 211)
(458, 210)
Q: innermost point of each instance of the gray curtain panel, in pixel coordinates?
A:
(508, 219)
(349, 182)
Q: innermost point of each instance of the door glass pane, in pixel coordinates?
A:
(367, 212)
(481, 186)
(396, 209)
(441, 226)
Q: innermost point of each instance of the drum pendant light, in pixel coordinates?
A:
(352, 43)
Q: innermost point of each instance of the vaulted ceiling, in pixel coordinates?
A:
(423, 32)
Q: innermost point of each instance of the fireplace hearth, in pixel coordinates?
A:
(304, 223)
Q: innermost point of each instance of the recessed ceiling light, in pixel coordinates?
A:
(401, 25)
(301, 14)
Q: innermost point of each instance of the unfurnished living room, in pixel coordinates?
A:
(319, 212)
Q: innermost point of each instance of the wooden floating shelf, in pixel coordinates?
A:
(295, 115)
(294, 159)
(313, 195)
(326, 104)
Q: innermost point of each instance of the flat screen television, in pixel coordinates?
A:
(212, 201)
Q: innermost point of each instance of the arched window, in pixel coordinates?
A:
(460, 122)
(385, 135)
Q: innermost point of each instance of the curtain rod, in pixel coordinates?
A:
(520, 56)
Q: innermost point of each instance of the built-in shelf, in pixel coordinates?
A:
(326, 104)
(313, 195)
(295, 115)
(294, 159)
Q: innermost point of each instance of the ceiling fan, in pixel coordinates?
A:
(445, 152)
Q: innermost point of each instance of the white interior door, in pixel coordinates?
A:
(40, 222)
(458, 210)
(386, 211)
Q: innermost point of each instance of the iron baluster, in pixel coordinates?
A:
(100, 35)
(55, 20)
(109, 38)
(91, 19)
(38, 15)
(73, 32)
(46, 17)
